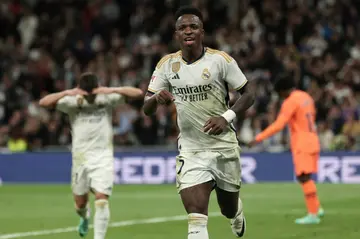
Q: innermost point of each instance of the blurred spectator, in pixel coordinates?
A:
(326, 136)
(45, 45)
(17, 142)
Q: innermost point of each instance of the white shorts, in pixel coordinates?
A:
(223, 167)
(98, 178)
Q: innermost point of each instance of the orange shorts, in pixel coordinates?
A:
(305, 163)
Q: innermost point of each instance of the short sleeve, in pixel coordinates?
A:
(116, 99)
(66, 103)
(233, 75)
(158, 80)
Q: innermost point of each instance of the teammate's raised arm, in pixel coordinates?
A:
(51, 99)
(127, 91)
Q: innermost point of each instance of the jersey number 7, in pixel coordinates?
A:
(181, 166)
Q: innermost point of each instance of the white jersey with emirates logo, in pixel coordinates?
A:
(91, 125)
(201, 90)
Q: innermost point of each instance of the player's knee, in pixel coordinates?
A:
(80, 204)
(303, 178)
(101, 203)
(196, 209)
(81, 201)
(101, 196)
(200, 210)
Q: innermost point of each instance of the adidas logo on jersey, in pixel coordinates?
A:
(176, 76)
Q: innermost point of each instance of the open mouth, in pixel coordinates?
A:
(189, 40)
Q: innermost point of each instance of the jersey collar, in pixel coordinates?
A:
(189, 63)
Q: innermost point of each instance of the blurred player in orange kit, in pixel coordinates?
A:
(298, 111)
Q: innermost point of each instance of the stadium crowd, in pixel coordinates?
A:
(46, 44)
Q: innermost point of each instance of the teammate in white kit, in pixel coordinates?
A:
(90, 111)
(199, 79)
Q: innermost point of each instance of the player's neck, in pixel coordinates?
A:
(193, 55)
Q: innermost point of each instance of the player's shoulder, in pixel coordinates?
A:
(168, 58)
(298, 97)
(219, 55)
(300, 94)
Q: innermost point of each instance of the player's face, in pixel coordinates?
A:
(189, 31)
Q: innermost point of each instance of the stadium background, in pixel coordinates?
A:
(45, 44)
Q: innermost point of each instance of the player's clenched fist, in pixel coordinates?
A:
(164, 97)
(215, 125)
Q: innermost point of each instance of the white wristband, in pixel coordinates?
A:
(229, 115)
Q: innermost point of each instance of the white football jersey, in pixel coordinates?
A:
(91, 124)
(201, 90)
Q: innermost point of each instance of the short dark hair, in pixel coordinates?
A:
(88, 82)
(284, 82)
(188, 10)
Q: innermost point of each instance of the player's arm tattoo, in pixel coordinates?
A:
(245, 101)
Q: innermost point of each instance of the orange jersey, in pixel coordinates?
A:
(298, 110)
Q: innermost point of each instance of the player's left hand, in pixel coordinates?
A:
(215, 125)
(102, 90)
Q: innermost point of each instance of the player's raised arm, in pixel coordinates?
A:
(127, 91)
(158, 90)
(52, 99)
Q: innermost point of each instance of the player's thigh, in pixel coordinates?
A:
(194, 181)
(226, 168)
(191, 170)
(196, 198)
(315, 161)
(102, 180)
(80, 180)
(305, 163)
(228, 202)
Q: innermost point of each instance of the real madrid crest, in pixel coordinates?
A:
(175, 67)
(205, 74)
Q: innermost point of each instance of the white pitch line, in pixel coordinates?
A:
(165, 219)
(114, 224)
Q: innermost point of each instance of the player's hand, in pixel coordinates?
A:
(164, 97)
(252, 144)
(102, 90)
(76, 91)
(215, 125)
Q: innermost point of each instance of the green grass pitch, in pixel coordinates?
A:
(270, 210)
